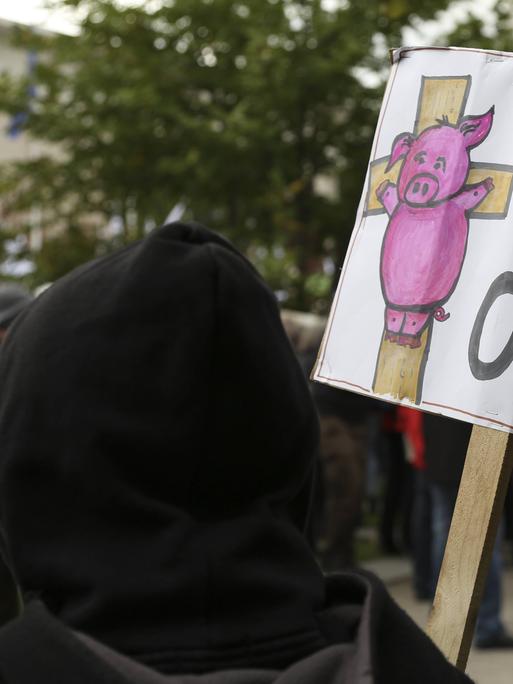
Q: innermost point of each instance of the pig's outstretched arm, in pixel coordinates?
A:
(473, 195)
(387, 195)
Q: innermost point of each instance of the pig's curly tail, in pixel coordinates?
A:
(440, 314)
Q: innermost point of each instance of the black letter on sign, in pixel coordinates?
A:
(503, 284)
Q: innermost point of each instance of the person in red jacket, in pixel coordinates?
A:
(411, 423)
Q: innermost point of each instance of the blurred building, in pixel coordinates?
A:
(15, 144)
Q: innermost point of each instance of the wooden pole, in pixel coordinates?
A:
(475, 521)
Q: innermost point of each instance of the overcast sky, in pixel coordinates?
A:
(31, 12)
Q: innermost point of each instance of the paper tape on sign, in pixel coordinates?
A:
(432, 248)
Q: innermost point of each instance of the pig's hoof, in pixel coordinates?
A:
(488, 183)
(412, 341)
(390, 336)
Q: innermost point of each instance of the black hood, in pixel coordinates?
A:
(157, 446)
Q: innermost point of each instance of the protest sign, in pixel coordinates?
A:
(420, 315)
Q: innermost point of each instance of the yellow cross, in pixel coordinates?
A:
(399, 369)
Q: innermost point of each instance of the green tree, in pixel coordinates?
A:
(238, 108)
(494, 32)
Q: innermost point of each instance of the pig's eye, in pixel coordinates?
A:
(420, 157)
(440, 163)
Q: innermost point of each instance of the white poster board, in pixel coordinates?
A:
(421, 315)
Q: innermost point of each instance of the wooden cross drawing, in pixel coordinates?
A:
(400, 369)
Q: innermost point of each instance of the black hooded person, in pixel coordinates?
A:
(158, 442)
(13, 299)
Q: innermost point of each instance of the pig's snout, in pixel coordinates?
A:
(422, 189)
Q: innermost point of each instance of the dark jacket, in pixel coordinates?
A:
(158, 442)
(446, 442)
(367, 640)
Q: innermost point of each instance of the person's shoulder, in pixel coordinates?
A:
(36, 647)
(386, 641)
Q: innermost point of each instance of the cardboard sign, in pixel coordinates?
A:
(423, 314)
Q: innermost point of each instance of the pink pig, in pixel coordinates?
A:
(426, 237)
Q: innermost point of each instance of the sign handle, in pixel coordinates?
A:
(474, 525)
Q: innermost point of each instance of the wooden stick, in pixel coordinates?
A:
(475, 521)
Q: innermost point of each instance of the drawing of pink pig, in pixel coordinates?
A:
(426, 237)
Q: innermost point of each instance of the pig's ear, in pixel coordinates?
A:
(476, 128)
(400, 148)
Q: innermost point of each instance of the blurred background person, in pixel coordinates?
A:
(341, 482)
(342, 454)
(397, 474)
(420, 529)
